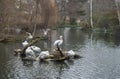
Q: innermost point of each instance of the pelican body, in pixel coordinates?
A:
(59, 41)
(29, 36)
(36, 50)
(44, 54)
(71, 54)
(46, 32)
(30, 53)
(25, 43)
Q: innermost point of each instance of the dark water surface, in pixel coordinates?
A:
(100, 52)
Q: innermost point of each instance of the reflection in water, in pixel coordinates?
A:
(27, 63)
(45, 45)
(73, 38)
(100, 52)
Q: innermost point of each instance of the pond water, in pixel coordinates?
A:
(100, 58)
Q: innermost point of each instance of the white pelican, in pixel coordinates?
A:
(59, 41)
(29, 36)
(46, 32)
(25, 43)
(44, 54)
(30, 53)
(71, 54)
(36, 50)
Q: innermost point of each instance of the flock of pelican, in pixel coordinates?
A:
(36, 52)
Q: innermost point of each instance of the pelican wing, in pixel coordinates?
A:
(29, 52)
(56, 42)
(44, 54)
(35, 48)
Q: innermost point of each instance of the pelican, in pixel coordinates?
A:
(71, 54)
(30, 53)
(44, 54)
(25, 43)
(29, 36)
(59, 41)
(36, 50)
(46, 32)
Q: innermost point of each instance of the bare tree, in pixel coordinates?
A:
(71, 10)
(117, 8)
(91, 13)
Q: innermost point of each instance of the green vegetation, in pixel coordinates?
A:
(108, 21)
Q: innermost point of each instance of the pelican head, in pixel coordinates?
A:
(61, 37)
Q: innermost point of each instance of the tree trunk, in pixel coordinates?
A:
(35, 16)
(117, 8)
(91, 14)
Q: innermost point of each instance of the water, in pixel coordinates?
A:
(100, 52)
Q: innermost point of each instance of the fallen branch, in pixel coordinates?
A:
(22, 51)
